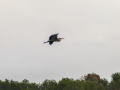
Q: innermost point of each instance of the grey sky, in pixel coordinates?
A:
(91, 29)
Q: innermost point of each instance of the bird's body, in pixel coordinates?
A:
(53, 38)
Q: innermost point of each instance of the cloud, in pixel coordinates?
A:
(91, 32)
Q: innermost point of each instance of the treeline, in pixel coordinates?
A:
(86, 82)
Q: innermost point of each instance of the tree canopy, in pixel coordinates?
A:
(90, 81)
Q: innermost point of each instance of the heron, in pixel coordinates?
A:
(53, 38)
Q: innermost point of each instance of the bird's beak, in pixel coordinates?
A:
(62, 38)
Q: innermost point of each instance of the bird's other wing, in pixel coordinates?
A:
(51, 42)
(53, 37)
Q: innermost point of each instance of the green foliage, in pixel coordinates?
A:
(116, 77)
(88, 82)
(104, 82)
(115, 83)
(48, 85)
(89, 85)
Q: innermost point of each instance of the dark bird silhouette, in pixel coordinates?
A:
(53, 38)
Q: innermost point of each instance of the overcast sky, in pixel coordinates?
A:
(91, 29)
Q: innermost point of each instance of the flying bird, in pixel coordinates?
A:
(53, 38)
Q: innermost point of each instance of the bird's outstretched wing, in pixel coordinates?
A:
(53, 37)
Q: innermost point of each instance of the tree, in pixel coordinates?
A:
(65, 82)
(104, 82)
(115, 83)
(92, 77)
(48, 85)
(115, 77)
(90, 85)
(24, 84)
